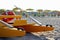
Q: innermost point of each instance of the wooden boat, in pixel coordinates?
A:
(18, 23)
(7, 31)
(11, 32)
(19, 27)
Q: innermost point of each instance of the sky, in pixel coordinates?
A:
(34, 4)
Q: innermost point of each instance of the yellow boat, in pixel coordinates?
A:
(6, 31)
(11, 32)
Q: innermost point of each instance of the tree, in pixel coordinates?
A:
(46, 12)
(39, 11)
(17, 10)
(2, 11)
(30, 10)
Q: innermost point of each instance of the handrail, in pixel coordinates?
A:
(10, 26)
(33, 19)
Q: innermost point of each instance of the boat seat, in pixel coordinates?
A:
(19, 22)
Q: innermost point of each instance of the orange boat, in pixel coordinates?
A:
(18, 23)
(19, 27)
(11, 32)
(6, 30)
(31, 27)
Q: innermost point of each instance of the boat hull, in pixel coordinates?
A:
(6, 32)
(32, 28)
